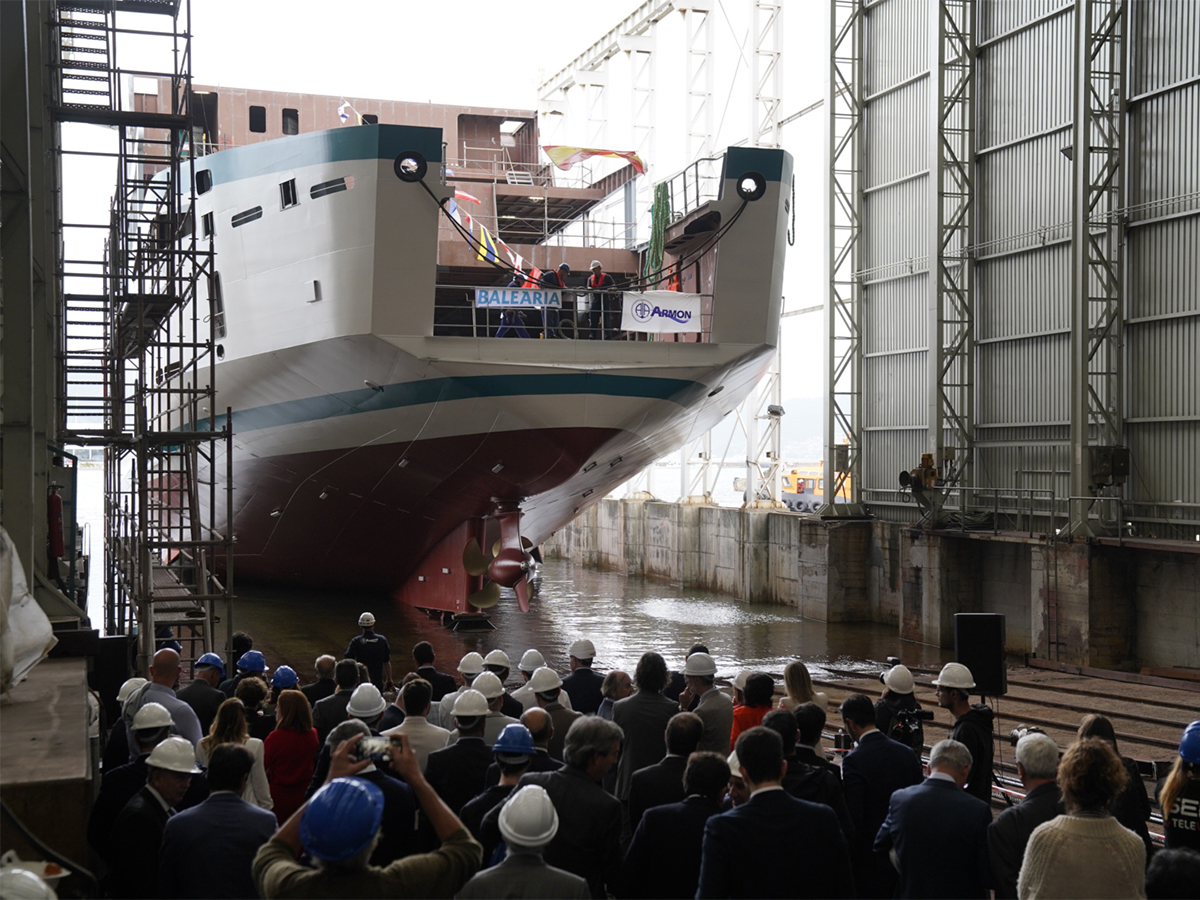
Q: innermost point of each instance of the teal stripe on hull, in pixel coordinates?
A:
(441, 390)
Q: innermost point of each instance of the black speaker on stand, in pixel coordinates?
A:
(979, 645)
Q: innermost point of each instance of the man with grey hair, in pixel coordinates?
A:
(937, 832)
(324, 686)
(588, 841)
(1037, 766)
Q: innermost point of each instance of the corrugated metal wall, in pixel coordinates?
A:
(1024, 88)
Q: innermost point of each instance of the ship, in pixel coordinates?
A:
(382, 439)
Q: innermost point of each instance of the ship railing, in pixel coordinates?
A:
(457, 315)
(545, 231)
(491, 164)
(696, 185)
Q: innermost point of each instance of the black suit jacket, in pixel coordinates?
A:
(457, 772)
(1009, 833)
(818, 785)
(330, 713)
(204, 699)
(230, 830)
(663, 860)
(137, 836)
(539, 762)
(399, 836)
(810, 757)
(441, 683)
(655, 785)
(319, 690)
(588, 841)
(643, 717)
(745, 849)
(583, 687)
(939, 832)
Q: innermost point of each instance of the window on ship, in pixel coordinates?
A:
(258, 119)
(248, 215)
(207, 223)
(332, 187)
(217, 304)
(203, 181)
(370, 119)
(291, 121)
(287, 194)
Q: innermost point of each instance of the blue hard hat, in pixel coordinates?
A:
(252, 661)
(1189, 747)
(285, 677)
(341, 819)
(515, 739)
(211, 659)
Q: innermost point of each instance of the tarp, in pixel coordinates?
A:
(26, 635)
(660, 312)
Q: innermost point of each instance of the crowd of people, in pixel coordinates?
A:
(525, 781)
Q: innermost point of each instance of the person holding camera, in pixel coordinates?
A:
(972, 725)
(898, 714)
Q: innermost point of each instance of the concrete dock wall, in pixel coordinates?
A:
(1088, 603)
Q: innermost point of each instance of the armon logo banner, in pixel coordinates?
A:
(661, 312)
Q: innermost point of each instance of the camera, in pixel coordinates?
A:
(376, 749)
(1021, 730)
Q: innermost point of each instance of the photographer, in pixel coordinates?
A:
(898, 714)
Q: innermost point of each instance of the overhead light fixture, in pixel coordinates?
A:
(323, 495)
(373, 386)
(402, 463)
(275, 513)
(498, 468)
(774, 410)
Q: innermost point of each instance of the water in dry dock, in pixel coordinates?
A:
(623, 616)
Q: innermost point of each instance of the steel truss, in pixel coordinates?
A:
(767, 77)
(1097, 259)
(136, 341)
(843, 211)
(952, 299)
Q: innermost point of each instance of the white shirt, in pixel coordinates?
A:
(423, 737)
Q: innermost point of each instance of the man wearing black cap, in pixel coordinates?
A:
(555, 281)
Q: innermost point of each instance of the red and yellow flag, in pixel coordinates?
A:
(565, 157)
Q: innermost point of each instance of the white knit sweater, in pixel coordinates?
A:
(1083, 857)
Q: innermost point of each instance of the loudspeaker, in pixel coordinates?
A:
(979, 645)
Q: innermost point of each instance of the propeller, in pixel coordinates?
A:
(508, 564)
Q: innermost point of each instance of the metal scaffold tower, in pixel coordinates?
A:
(843, 207)
(136, 338)
(1097, 261)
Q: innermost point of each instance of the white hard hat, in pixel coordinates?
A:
(471, 664)
(531, 660)
(129, 687)
(898, 679)
(700, 664)
(24, 884)
(739, 680)
(498, 658)
(583, 649)
(528, 818)
(955, 675)
(470, 703)
(544, 679)
(489, 685)
(595, 264)
(366, 619)
(175, 754)
(734, 765)
(152, 715)
(366, 702)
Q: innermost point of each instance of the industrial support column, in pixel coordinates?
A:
(1096, 245)
(843, 251)
(698, 26)
(951, 319)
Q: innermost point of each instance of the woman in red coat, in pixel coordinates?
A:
(291, 752)
(759, 694)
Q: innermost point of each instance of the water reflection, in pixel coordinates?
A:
(623, 616)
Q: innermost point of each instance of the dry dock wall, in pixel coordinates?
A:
(1087, 603)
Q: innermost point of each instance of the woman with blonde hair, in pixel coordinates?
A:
(1086, 853)
(798, 688)
(229, 727)
(1180, 794)
(1132, 806)
(291, 752)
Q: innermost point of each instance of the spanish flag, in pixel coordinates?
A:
(487, 245)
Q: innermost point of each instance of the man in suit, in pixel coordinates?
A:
(457, 772)
(422, 737)
(938, 832)
(588, 841)
(331, 711)
(747, 851)
(813, 783)
(541, 729)
(663, 782)
(531, 661)
(138, 831)
(583, 685)
(202, 694)
(324, 686)
(441, 683)
(810, 723)
(498, 663)
(547, 688)
(713, 707)
(643, 718)
(227, 828)
(674, 832)
(1037, 766)
(875, 769)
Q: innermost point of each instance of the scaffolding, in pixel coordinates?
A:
(136, 360)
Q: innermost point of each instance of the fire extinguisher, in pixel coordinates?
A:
(54, 523)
